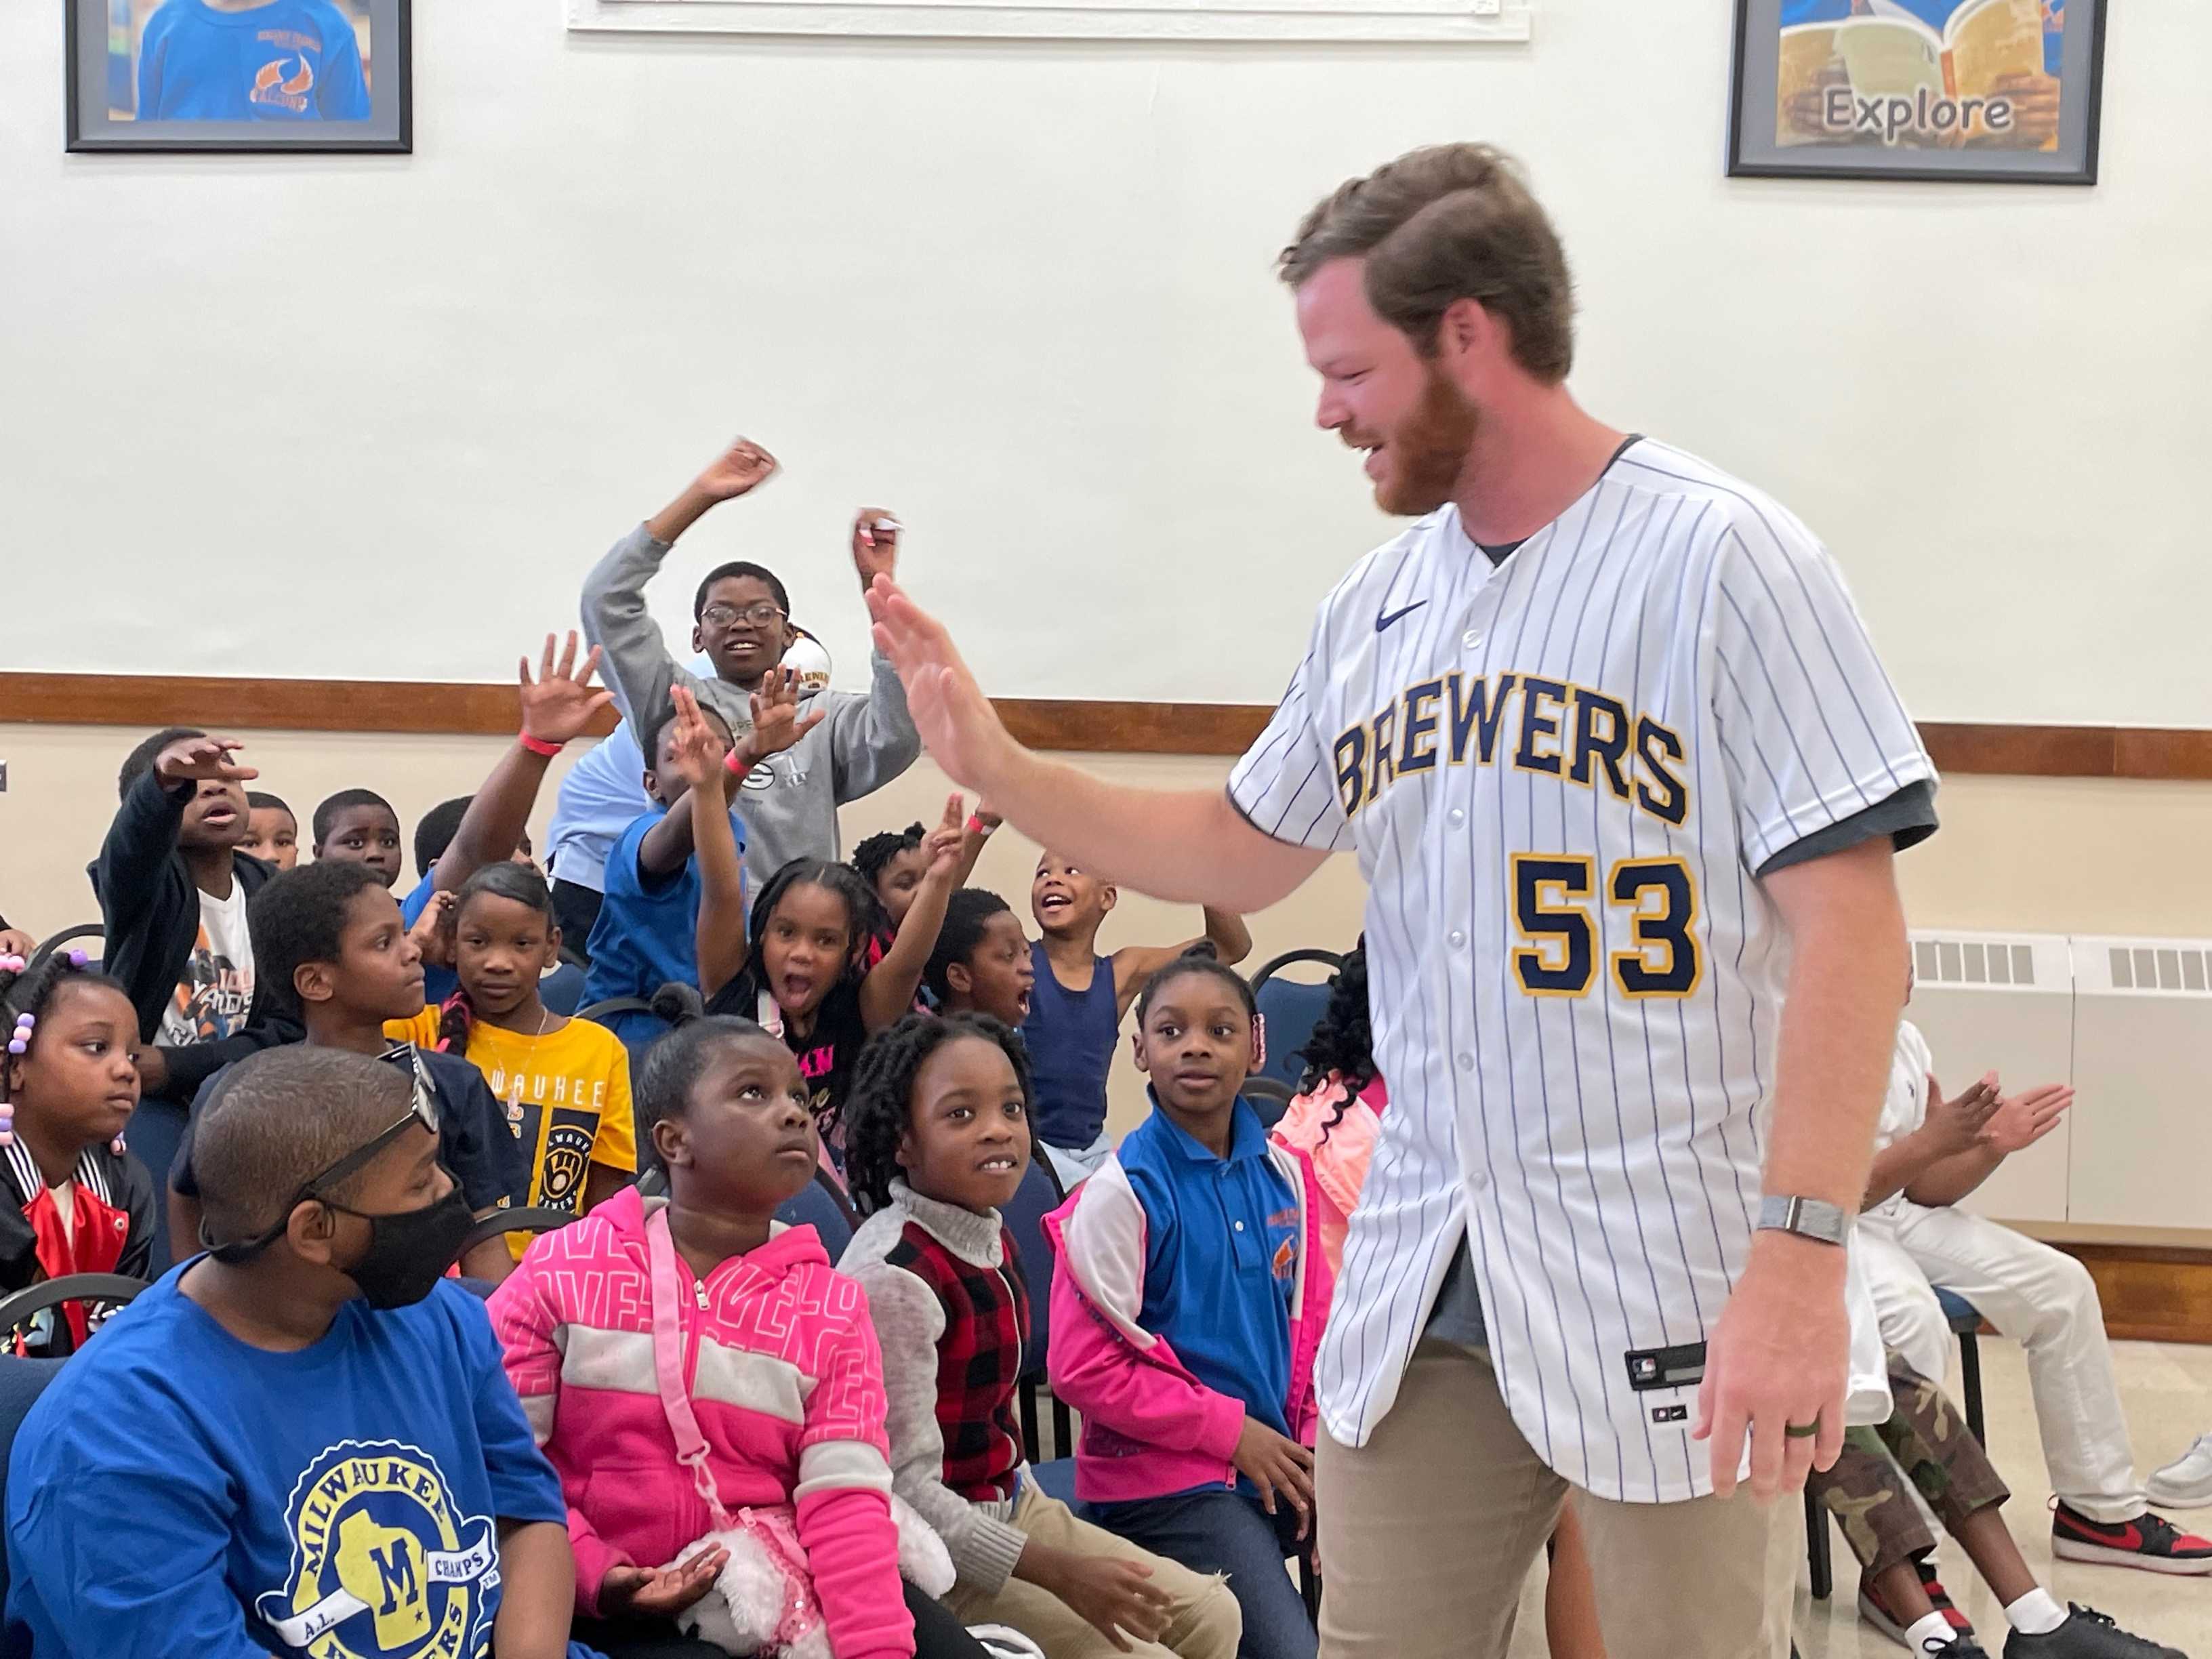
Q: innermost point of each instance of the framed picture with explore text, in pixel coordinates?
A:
(1997, 91)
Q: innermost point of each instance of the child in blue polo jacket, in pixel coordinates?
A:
(1188, 1296)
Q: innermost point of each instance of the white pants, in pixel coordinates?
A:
(2041, 1297)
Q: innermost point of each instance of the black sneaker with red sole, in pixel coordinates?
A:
(2150, 1542)
(1878, 1614)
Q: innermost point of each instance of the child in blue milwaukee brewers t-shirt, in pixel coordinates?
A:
(303, 1442)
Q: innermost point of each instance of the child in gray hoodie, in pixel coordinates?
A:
(742, 622)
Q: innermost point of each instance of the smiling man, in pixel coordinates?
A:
(1622, 769)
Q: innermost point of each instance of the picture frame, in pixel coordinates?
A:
(274, 78)
(1951, 91)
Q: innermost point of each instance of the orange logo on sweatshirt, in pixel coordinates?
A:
(272, 85)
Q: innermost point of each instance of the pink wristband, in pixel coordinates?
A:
(977, 826)
(537, 746)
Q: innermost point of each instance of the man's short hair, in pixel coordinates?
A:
(1451, 222)
(759, 573)
(279, 1118)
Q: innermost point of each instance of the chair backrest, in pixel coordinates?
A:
(21, 1382)
(1037, 1197)
(88, 937)
(632, 1019)
(17, 1308)
(536, 1219)
(820, 1205)
(1291, 1008)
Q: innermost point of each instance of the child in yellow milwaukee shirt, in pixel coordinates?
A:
(564, 1083)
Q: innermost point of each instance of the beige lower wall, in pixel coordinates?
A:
(2046, 855)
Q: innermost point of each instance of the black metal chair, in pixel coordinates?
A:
(1289, 1009)
(18, 1306)
(1038, 1196)
(823, 1205)
(67, 937)
(1966, 1320)
(535, 1218)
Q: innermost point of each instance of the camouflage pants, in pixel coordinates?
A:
(1925, 1441)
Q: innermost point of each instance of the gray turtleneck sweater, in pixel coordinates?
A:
(902, 1275)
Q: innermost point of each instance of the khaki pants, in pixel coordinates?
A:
(1206, 1625)
(1427, 1534)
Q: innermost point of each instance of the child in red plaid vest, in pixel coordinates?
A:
(937, 1140)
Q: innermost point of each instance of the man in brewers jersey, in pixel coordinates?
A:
(1621, 769)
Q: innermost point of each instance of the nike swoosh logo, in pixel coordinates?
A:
(1383, 621)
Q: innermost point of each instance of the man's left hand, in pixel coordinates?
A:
(1779, 1356)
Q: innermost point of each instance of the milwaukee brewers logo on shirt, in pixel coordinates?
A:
(382, 1567)
(568, 1152)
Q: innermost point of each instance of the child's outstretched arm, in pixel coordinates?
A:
(639, 666)
(872, 739)
(696, 756)
(888, 992)
(558, 705)
(135, 857)
(1135, 965)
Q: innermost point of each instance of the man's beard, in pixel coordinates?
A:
(1429, 455)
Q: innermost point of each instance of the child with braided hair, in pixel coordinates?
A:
(72, 1200)
(564, 1083)
(938, 1141)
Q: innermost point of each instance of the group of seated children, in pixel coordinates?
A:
(747, 1449)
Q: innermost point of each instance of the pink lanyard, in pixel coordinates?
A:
(668, 1366)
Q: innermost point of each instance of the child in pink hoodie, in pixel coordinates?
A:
(692, 1368)
(1188, 1299)
(1339, 1111)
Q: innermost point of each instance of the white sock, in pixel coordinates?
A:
(2036, 1613)
(1933, 1629)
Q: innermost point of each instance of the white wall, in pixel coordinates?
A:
(374, 417)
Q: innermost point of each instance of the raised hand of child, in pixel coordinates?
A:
(1113, 1596)
(741, 468)
(202, 757)
(433, 932)
(942, 846)
(660, 1592)
(14, 942)
(777, 722)
(559, 704)
(694, 748)
(875, 544)
(1278, 1467)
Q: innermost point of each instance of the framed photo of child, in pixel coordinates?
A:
(2007, 91)
(257, 76)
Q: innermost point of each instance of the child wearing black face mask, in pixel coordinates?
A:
(302, 1441)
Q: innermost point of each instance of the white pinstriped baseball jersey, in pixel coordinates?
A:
(1560, 774)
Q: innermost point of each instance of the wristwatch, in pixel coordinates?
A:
(1807, 1218)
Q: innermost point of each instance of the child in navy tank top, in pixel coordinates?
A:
(1076, 1005)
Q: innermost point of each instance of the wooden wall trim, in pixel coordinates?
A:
(1119, 728)
(2150, 1294)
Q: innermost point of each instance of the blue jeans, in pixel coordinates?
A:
(1226, 1532)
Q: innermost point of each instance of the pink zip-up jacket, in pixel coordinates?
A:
(782, 1371)
(1341, 1152)
(1125, 1382)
